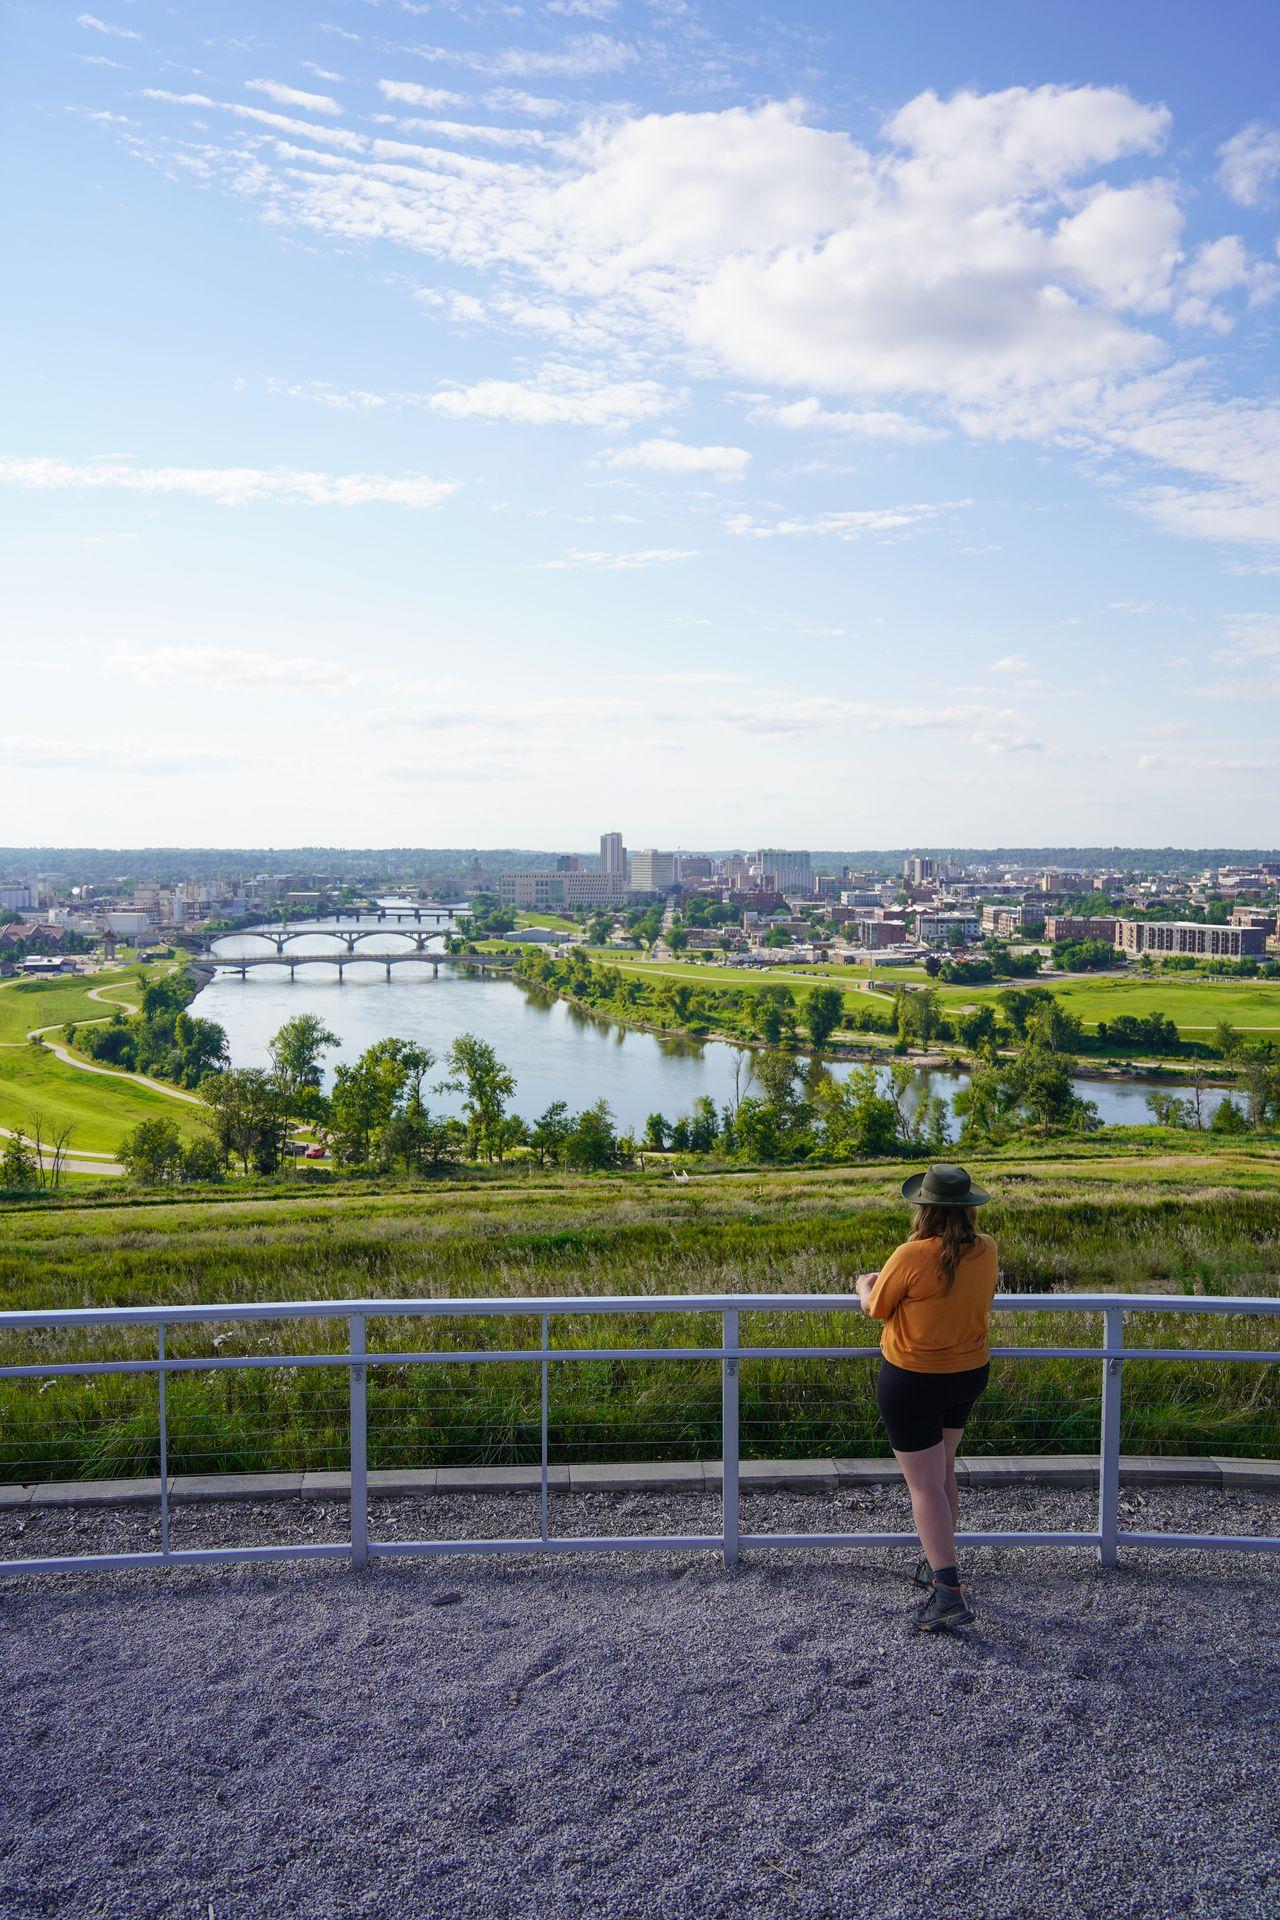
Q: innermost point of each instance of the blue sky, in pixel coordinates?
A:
(489, 424)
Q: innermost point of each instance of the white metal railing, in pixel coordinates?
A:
(355, 1362)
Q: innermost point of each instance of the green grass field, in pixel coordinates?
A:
(100, 1108)
(1164, 1220)
(27, 1004)
(1195, 1006)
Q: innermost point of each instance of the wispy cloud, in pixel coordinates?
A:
(579, 561)
(229, 486)
(285, 96)
(222, 668)
(557, 396)
(126, 757)
(855, 523)
(106, 26)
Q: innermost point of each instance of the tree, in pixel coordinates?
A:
(152, 1153)
(297, 1050)
(978, 1030)
(367, 1094)
(656, 1130)
(18, 1169)
(704, 1125)
(592, 1144)
(775, 1014)
(250, 1121)
(1228, 1118)
(486, 1085)
(550, 1131)
(823, 1011)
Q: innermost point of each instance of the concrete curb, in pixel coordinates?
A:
(688, 1476)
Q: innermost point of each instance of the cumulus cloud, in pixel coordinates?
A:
(674, 456)
(973, 264)
(228, 486)
(227, 667)
(1250, 163)
(294, 96)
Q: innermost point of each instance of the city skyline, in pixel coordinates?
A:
(419, 421)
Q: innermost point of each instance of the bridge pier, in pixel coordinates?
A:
(388, 970)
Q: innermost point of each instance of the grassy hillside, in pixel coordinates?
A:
(1180, 1222)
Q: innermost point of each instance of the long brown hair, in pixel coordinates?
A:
(956, 1228)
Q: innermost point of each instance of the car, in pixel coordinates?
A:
(315, 1153)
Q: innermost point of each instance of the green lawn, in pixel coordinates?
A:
(101, 1108)
(26, 1004)
(553, 920)
(750, 979)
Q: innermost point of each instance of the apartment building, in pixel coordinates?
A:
(1190, 936)
(1080, 926)
(939, 926)
(613, 855)
(1002, 923)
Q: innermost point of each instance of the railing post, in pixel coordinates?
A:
(1109, 1464)
(729, 1434)
(359, 1447)
(163, 1379)
(542, 1506)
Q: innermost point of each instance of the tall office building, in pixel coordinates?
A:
(652, 871)
(785, 870)
(613, 855)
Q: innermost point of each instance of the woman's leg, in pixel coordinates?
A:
(951, 1438)
(925, 1471)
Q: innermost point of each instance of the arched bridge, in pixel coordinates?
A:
(244, 964)
(351, 938)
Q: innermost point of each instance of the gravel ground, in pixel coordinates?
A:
(648, 1737)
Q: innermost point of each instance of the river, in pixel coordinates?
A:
(555, 1051)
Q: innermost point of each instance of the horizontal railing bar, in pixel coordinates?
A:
(1033, 1539)
(224, 1363)
(604, 1544)
(607, 1303)
(1221, 1542)
(181, 1557)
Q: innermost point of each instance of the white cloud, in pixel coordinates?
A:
(283, 123)
(578, 561)
(855, 523)
(1250, 163)
(91, 757)
(1219, 267)
(867, 423)
(791, 716)
(227, 667)
(560, 395)
(101, 60)
(512, 100)
(105, 26)
(294, 96)
(321, 73)
(674, 456)
(1010, 663)
(412, 95)
(971, 263)
(228, 486)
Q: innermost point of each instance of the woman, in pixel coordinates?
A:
(934, 1295)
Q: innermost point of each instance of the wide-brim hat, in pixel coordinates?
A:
(943, 1186)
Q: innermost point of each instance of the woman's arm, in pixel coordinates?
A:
(862, 1287)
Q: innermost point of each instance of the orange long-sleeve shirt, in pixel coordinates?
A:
(927, 1330)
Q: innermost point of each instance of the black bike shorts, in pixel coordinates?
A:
(915, 1407)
